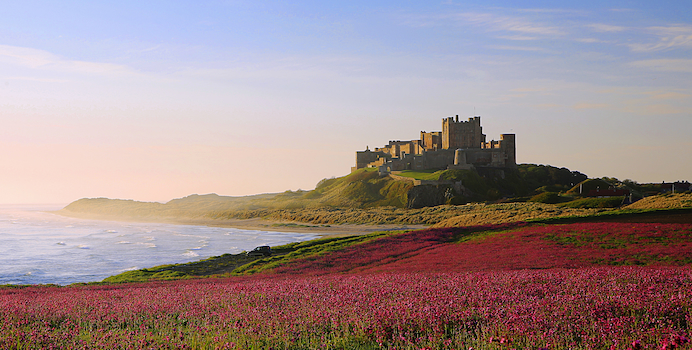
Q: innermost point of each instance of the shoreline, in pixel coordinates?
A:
(256, 224)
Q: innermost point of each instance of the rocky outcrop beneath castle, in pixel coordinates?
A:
(428, 196)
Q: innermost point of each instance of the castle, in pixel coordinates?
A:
(460, 145)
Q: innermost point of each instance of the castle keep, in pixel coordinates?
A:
(460, 145)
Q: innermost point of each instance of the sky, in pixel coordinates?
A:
(155, 100)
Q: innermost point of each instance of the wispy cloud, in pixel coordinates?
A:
(578, 12)
(547, 105)
(529, 89)
(517, 37)
(669, 95)
(586, 105)
(44, 60)
(517, 48)
(665, 65)
(635, 107)
(668, 38)
(26, 57)
(590, 40)
(605, 28)
(42, 80)
(516, 28)
(506, 23)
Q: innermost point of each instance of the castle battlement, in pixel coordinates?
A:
(460, 145)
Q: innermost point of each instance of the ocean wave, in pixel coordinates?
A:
(190, 253)
(124, 242)
(190, 235)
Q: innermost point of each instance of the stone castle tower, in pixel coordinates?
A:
(461, 134)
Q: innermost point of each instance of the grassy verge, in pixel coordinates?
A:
(241, 264)
(609, 202)
(421, 174)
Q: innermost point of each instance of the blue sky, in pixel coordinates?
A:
(160, 99)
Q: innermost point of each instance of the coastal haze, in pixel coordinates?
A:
(165, 99)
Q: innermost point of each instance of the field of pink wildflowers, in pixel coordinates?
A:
(494, 287)
(510, 247)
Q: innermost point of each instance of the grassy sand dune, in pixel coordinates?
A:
(666, 201)
(483, 214)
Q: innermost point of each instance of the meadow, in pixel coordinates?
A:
(502, 286)
(593, 308)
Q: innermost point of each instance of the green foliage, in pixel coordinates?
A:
(553, 188)
(492, 186)
(549, 198)
(537, 176)
(471, 180)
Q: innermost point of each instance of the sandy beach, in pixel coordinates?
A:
(258, 224)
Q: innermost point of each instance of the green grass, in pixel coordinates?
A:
(206, 267)
(293, 251)
(241, 264)
(433, 175)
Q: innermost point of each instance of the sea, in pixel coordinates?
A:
(40, 247)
